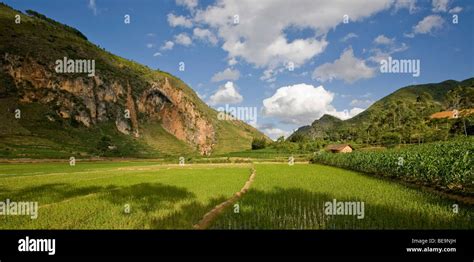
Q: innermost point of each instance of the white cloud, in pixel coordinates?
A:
(379, 54)
(348, 68)
(175, 21)
(274, 132)
(428, 25)
(349, 36)
(183, 39)
(205, 35)
(227, 74)
(157, 54)
(201, 96)
(440, 5)
(455, 10)
(386, 47)
(167, 46)
(383, 40)
(259, 37)
(269, 75)
(226, 94)
(190, 4)
(361, 102)
(92, 6)
(408, 4)
(232, 61)
(346, 114)
(150, 45)
(302, 103)
(151, 34)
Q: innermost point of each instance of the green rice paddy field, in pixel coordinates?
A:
(149, 195)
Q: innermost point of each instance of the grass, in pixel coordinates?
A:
(95, 195)
(293, 197)
(159, 139)
(268, 154)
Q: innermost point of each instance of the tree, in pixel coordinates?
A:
(103, 144)
(453, 98)
(259, 143)
(461, 98)
(391, 138)
(297, 137)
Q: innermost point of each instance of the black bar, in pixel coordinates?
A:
(239, 243)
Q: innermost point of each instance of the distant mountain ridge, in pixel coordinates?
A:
(323, 128)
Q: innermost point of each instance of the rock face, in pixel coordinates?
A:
(144, 112)
(92, 100)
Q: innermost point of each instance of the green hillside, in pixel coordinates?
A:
(409, 94)
(29, 83)
(402, 116)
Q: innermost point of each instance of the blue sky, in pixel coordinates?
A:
(336, 64)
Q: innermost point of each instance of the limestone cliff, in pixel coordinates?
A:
(90, 100)
(127, 102)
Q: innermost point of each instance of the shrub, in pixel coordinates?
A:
(103, 144)
(258, 143)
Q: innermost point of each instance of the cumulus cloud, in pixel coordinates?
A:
(348, 68)
(302, 103)
(205, 35)
(346, 114)
(378, 54)
(259, 38)
(361, 102)
(272, 131)
(232, 61)
(227, 74)
(349, 36)
(428, 25)
(150, 45)
(168, 45)
(385, 47)
(269, 75)
(189, 4)
(455, 10)
(157, 54)
(226, 94)
(408, 4)
(440, 5)
(383, 40)
(275, 133)
(175, 21)
(183, 39)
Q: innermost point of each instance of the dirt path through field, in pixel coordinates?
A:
(207, 219)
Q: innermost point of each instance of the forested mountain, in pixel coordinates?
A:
(401, 117)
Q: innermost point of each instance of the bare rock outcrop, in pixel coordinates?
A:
(92, 100)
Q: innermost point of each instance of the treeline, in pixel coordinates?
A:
(54, 22)
(291, 147)
(407, 121)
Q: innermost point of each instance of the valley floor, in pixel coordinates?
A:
(149, 195)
